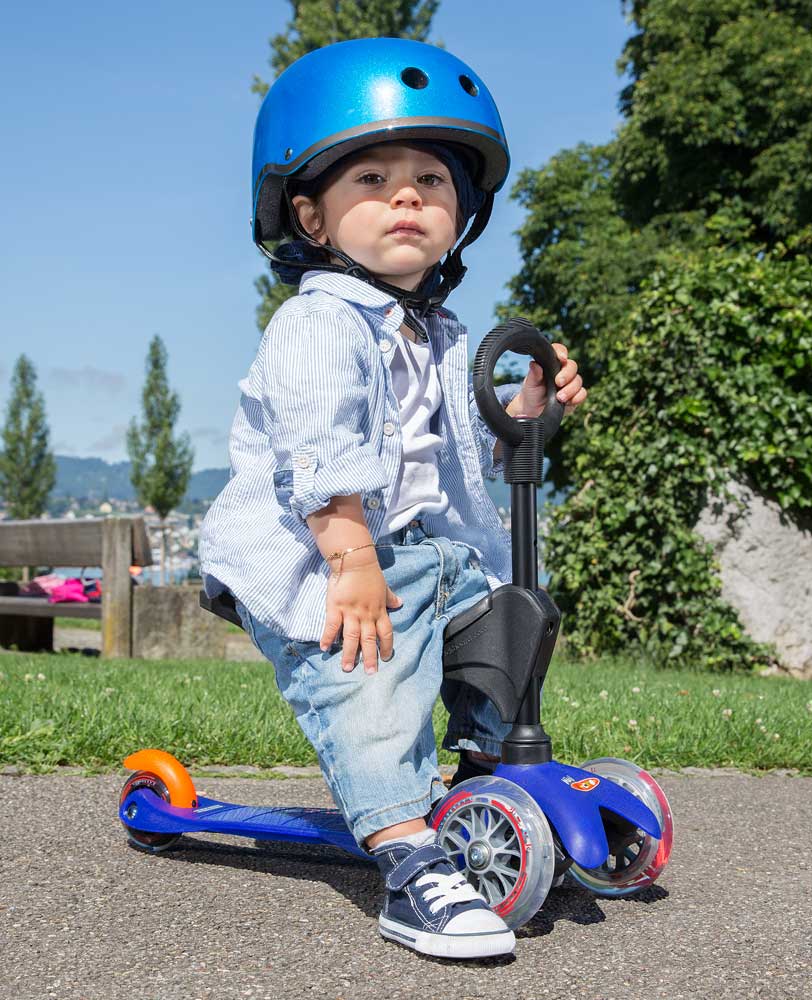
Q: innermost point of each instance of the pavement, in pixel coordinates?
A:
(84, 916)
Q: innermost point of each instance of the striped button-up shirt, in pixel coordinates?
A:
(318, 418)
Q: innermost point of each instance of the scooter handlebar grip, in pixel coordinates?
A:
(520, 336)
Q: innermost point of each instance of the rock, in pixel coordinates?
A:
(766, 570)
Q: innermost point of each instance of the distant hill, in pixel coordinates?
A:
(95, 479)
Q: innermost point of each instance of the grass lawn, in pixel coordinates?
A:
(94, 624)
(91, 624)
(68, 709)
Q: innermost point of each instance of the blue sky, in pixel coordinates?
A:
(126, 188)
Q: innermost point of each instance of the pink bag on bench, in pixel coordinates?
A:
(71, 590)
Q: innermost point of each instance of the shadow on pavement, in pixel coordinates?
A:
(358, 881)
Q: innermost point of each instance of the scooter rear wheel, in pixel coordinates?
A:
(496, 834)
(145, 840)
(635, 860)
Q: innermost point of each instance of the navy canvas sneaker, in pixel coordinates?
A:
(431, 907)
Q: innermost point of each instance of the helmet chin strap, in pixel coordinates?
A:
(415, 305)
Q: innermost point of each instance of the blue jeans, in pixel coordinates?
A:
(373, 733)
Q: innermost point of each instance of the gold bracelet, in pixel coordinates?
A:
(335, 555)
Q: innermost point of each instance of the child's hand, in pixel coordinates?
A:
(532, 396)
(357, 600)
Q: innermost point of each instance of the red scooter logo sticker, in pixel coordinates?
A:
(585, 784)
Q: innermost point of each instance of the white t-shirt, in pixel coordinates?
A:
(418, 391)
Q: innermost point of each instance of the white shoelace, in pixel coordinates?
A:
(446, 890)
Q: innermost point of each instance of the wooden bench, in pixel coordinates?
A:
(112, 543)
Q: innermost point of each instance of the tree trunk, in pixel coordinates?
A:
(163, 553)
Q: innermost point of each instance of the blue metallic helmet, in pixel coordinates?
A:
(338, 99)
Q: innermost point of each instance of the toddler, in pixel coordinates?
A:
(356, 524)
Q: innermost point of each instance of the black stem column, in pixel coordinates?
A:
(527, 743)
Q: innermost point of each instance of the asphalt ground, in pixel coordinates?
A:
(84, 915)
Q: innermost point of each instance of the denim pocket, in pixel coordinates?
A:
(283, 487)
(247, 621)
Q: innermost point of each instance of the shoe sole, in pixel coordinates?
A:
(482, 945)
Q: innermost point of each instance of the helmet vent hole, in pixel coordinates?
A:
(414, 78)
(288, 153)
(469, 86)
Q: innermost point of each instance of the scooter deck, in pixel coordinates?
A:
(571, 798)
(143, 810)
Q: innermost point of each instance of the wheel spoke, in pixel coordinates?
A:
(490, 890)
(506, 884)
(509, 851)
(500, 822)
(502, 870)
(459, 842)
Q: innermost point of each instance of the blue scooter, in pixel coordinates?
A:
(606, 825)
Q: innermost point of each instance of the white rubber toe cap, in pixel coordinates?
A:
(480, 921)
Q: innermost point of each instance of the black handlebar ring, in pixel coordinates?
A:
(520, 336)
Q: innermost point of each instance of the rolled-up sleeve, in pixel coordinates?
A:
(314, 374)
(486, 439)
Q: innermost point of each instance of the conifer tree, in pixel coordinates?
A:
(161, 463)
(314, 24)
(27, 466)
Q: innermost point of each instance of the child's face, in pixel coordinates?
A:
(379, 190)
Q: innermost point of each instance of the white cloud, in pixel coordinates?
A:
(212, 435)
(89, 379)
(114, 440)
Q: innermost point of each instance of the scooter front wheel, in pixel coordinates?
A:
(145, 840)
(635, 858)
(497, 836)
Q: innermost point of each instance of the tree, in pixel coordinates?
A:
(316, 23)
(719, 114)
(27, 466)
(716, 150)
(161, 464)
(681, 224)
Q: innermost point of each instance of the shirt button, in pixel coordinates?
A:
(385, 345)
(388, 428)
(373, 503)
(388, 311)
(303, 462)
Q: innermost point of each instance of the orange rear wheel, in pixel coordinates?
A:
(170, 770)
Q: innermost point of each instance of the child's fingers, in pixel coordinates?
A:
(369, 648)
(332, 626)
(352, 641)
(386, 638)
(576, 400)
(568, 373)
(561, 352)
(570, 390)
